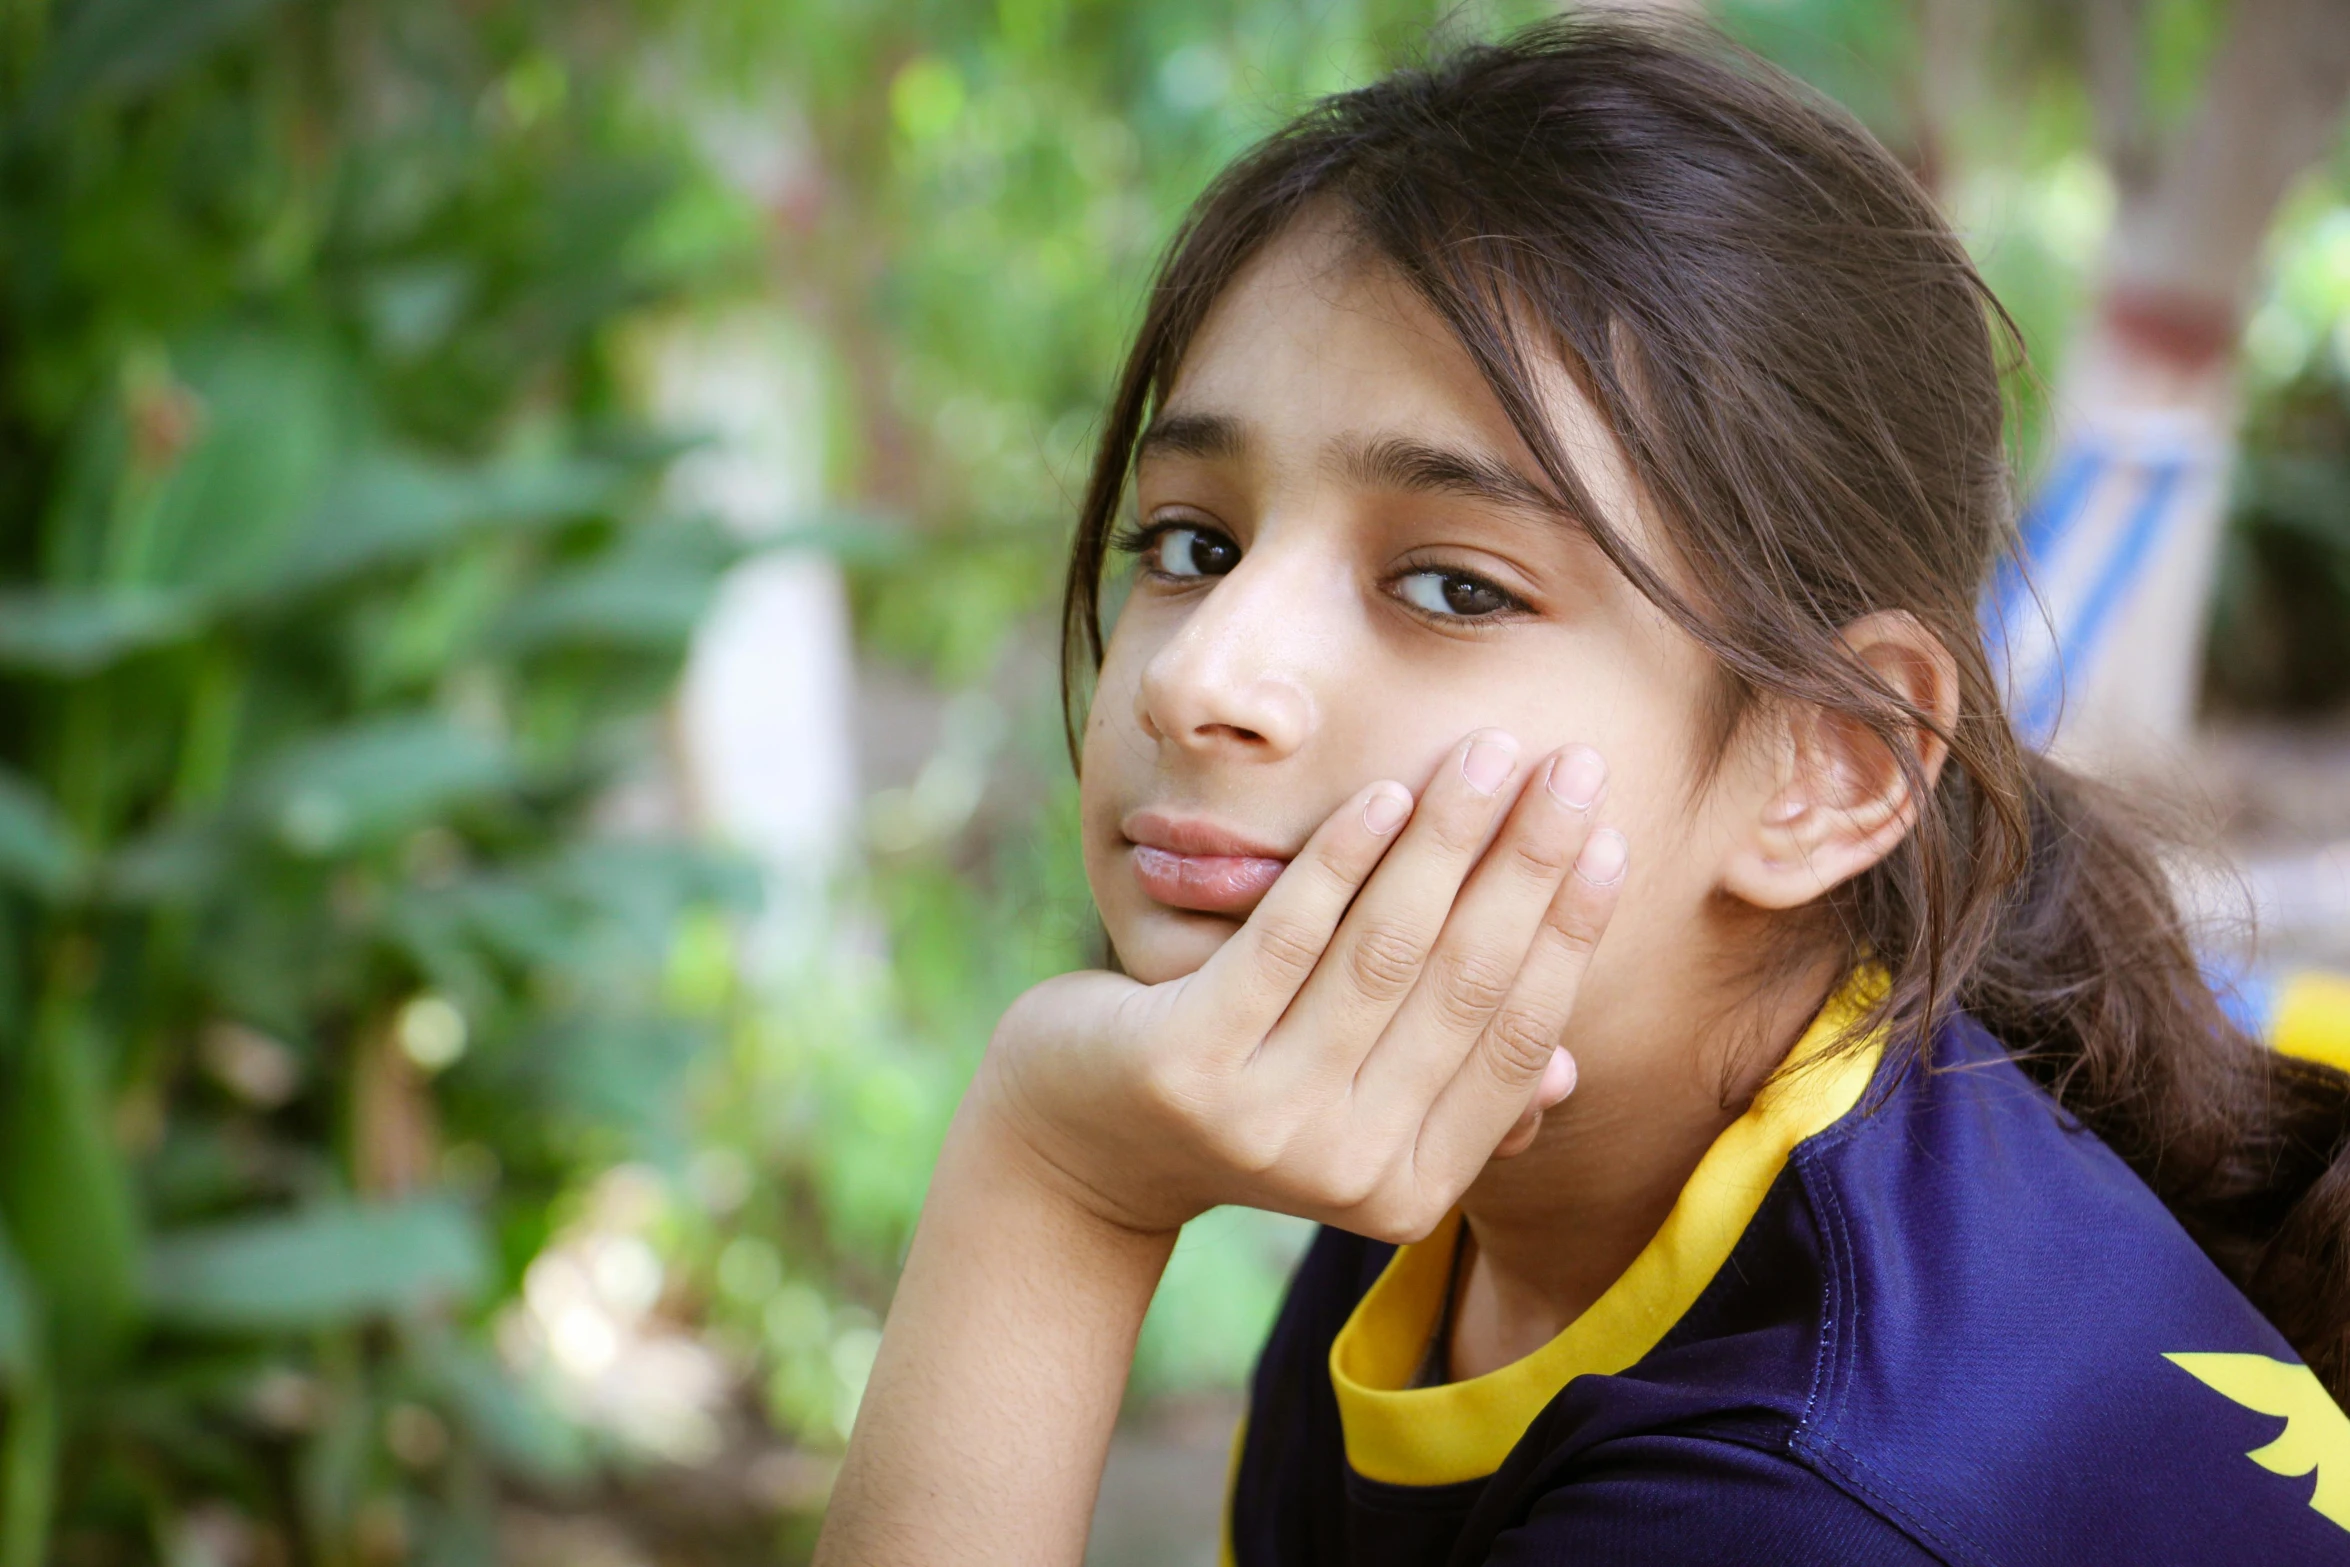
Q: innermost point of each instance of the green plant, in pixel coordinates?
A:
(335, 592)
(2280, 636)
(2280, 632)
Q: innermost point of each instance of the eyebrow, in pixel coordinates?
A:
(1416, 467)
(1217, 437)
(1384, 462)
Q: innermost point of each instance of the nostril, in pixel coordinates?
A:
(1229, 732)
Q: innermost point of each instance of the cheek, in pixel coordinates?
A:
(1646, 716)
(1112, 741)
(1113, 774)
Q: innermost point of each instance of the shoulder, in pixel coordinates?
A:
(2004, 1308)
(1964, 1200)
(1687, 1499)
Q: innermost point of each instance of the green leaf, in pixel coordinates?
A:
(395, 509)
(646, 887)
(376, 779)
(28, 1474)
(37, 848)
(610, 1069)
(653, 589)
(329, 1265)
(110, 48)
(20, 1332)
(276, 419)
(610, 605)
(66, 1191)
(175, 862)
(69, 632)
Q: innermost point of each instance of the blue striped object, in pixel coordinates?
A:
(2114, 498)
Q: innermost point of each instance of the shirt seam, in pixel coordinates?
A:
(1834, 1462)
(1846, 1470)
(1884, 1504)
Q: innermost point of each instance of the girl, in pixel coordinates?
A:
(1562, 485)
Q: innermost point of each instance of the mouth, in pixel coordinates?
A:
(1188, 863)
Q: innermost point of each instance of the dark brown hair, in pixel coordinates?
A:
(1802, 368)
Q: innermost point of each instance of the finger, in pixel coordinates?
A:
(1515, 1054)
(1258, 972)
(1375, 958)
(1557, 1081)
(1487, 938)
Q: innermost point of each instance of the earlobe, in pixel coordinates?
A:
(1835, 798)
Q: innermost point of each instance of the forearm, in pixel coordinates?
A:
(984, 1427)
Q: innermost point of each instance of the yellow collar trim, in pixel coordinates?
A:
(1404, 1435)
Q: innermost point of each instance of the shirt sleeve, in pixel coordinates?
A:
(1690, 1501)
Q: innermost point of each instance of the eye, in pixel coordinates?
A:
(1182, 550)
(1455, 595)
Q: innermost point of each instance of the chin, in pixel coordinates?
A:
(1168, 944)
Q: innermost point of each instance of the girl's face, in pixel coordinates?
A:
(1340, 572)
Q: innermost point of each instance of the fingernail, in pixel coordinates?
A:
(1489, 761)
(1576, 776)
(1384, 812)
(1558, 1079)
(1603, 857)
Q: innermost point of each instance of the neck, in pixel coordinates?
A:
(1552, 1228)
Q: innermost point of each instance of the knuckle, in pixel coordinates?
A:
(1382, 961)
(1540, 858)
(1401, 1220)
(1171, 1090)
(1350, 1178)
(1336, 880)
(1572, 924)
(1288, 949)
(1249, 1144)
(1470, 986)
(1351, 1187)
(1461, 830)
(1522, 1041)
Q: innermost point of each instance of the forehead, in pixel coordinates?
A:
(1319, 347)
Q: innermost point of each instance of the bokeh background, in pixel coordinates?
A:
(529, 758)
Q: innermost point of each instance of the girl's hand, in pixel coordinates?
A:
(1366, 1041)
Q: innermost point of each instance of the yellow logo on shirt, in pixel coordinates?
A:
(2317, 1433)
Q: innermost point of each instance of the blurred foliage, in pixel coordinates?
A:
(2281, 613)
(335, 595)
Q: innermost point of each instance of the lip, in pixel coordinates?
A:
(1186, 862)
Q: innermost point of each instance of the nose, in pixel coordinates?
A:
(1229, 682)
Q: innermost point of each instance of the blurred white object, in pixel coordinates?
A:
(764, 736)
(588, 1331)
(2302, 901)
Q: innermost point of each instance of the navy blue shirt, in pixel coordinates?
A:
(1897, 1316)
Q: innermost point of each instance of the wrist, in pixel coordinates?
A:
(992, 1147)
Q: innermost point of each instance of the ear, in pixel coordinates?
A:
(1833, 800)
